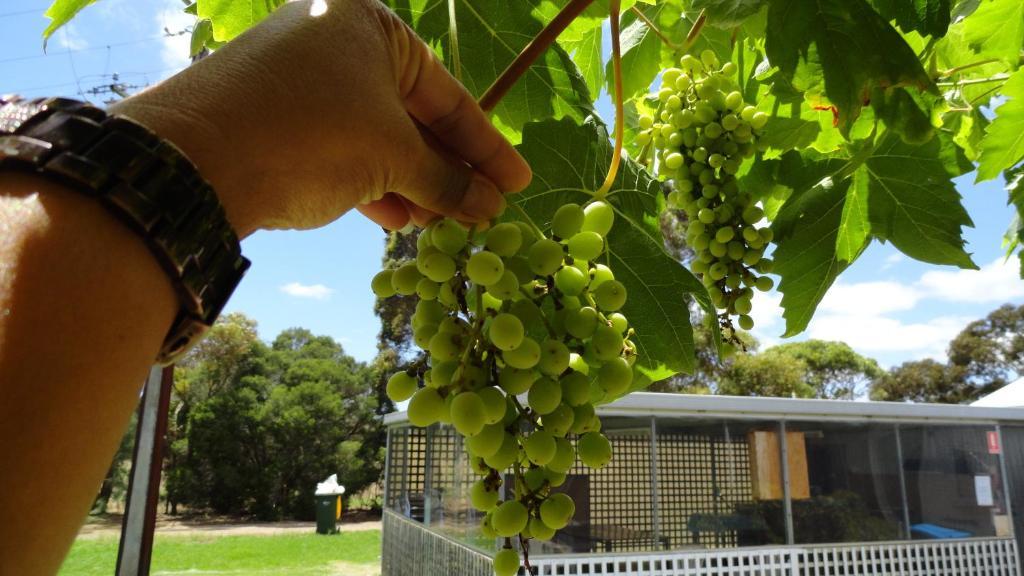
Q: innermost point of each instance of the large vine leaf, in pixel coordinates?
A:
(856, 47)
(60, 13)
(727, 13)
(569, 162)
(889, 190)
(232, 17)
(1003, 145)
(808, 229)
(913, 203)
(490, 35)
(996, 29)
(586, 53)
(929, 17)
(641, 49)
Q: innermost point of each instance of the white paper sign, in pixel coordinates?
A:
(983, 490)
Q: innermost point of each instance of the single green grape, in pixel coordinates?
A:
(448, 236)
(558, 421)
(509, 518)
(554, 357)
(594, 450)
(570, 280)
(545, 257)
(381, 284)
(544, 395)
(615, 376)
(506, 561)
(482, 497)
(515, 381)
(485, 268)
(606, 342)
(538, 529)
(427, 289)
(494, 404)
(565, 456)
(610, 296)
(575, 388)
(586, 245)
(568, 220)
(764, 283)
(540, 447)
(746, 322)
(504, 239)
(524, 356)
(467, 413)
(405, 278)
(581, 323)
(506, 331)
(401, 386)
(426, 407)
(487, 442)
(557, 510)
(505, 455)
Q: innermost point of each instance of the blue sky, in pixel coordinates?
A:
(886, 305)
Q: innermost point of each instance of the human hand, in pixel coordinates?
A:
(304, 117)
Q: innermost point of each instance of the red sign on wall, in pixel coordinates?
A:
(993, 442)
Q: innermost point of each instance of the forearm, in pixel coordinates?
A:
(84, 308)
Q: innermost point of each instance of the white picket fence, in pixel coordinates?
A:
(412, 550)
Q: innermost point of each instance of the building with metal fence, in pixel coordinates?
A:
(716, 486)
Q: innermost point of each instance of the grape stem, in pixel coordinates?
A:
(526, 57)
(613, 170)
(453, 38)
(954, 70)
(996, 78)
(654, 28)
(694, 33)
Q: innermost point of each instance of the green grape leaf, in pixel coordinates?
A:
(586, 53)
(854, 225)
(807, 232)
(996, 29)
(1003, 145)
(727, 13)
(901, 114)
(569, 162)
(781, 134)
(1014, 238)
(201, 34)
(912, 201)
(491, 35)
(232, 17)
(60, 13)
(857, 50)
(928, 17)
(641, 49)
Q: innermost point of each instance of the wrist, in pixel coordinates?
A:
(201, 141)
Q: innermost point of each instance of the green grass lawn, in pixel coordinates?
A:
(348, 554)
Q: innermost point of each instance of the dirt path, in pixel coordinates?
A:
(111, 527)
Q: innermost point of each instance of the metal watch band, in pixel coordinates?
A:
(148, 184)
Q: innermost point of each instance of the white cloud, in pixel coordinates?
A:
(865, 314)
(996, 282)
(174, 48)
(892, 260)
(312, 291)
(869, 333)
(869, 298)
(69, 38)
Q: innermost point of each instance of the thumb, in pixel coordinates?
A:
(439, 182)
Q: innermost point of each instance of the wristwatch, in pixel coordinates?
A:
(148, 184)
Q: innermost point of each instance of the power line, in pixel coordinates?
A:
(88, 49)
(22, 13)
(89, 79)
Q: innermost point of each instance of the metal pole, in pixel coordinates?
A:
(427, 474)
(1006, 477)
(655, 505)
(787, 504)
(137, 527)
(903, 483)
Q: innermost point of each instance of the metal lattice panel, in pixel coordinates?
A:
(409, 549)
(700, 475)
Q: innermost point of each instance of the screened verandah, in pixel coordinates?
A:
(698, 480)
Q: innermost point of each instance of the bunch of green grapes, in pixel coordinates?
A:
(522, 337)
(703, 132)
